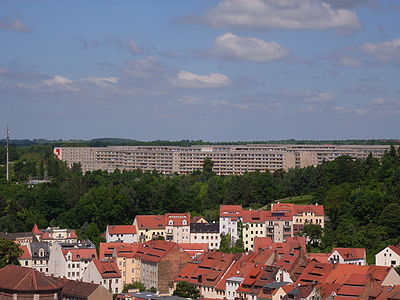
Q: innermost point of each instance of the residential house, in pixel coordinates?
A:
(158, 262)
(206, 271)
(205, 233)
(177, 227)
(301, 214)
(21, 238)
(55, 235)
(18, 282)
(79, 290)
(353, 256)
(71, 260)
(229, 218)
(104, 272)
(390, 256)
(149, 227)
(36, 255)
(121, 234)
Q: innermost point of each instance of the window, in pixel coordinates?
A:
(393, 262)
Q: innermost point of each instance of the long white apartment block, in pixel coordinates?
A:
(228, 159)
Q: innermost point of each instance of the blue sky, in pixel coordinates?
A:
(225, 70)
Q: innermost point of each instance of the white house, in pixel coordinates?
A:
(390, 256)
(231, 285)
(352, 256)
(205, 233)
(229, 217)
(121, 234)
(70, 261)
(104, 272)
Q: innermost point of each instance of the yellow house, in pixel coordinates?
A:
(150, 227)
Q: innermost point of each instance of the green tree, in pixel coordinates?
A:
(313, 232)
(9, 253)
(135, 285)
(186, 290)
(225, 244)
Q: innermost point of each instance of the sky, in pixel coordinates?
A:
(228, 70)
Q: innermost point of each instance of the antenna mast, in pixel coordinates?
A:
(7, 159)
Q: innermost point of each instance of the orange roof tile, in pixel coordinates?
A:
(177, 219)
(26, 254)
(230, 211)
(79, 254)
(155, 250)
(121, 229)
(36, 230)
(350, 253)
(150, 222)
(107, 268)
(395, 249)
(320, 257)
(107, 248)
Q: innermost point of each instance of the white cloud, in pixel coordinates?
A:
(357, 111)
(189, 100)
(385, 52)
(129, 44)
(308, 96)
(384, 105)
(231, 46)
(347, 61)
(190, 80)
(282, 14)
(60, 83)
(14, 25)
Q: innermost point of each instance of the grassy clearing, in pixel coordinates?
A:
(299, 200)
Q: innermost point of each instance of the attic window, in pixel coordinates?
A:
(184, 222)
(78, 256)
(41, 252)
(93, 256)
(170, 222)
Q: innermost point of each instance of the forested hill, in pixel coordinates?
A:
(101, 142)
(361, 197)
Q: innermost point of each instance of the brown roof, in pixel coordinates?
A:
(21, 279)
(74, 288)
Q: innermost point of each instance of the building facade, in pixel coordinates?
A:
(228, 159)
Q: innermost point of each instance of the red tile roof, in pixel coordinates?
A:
(121, 229)
(208, 269)
(36, 230)
(194, 249)
(230, 211)
(150, 222)
(350, 253)
(78, 254)
(26, 254)
(394, 249)
(177, 219)
(108, 248)
(127, 250)
(21, 279)
(320, 257)
(297, 209)
(254, 216)
(155, 251)
(315, 272)
(107, 268)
